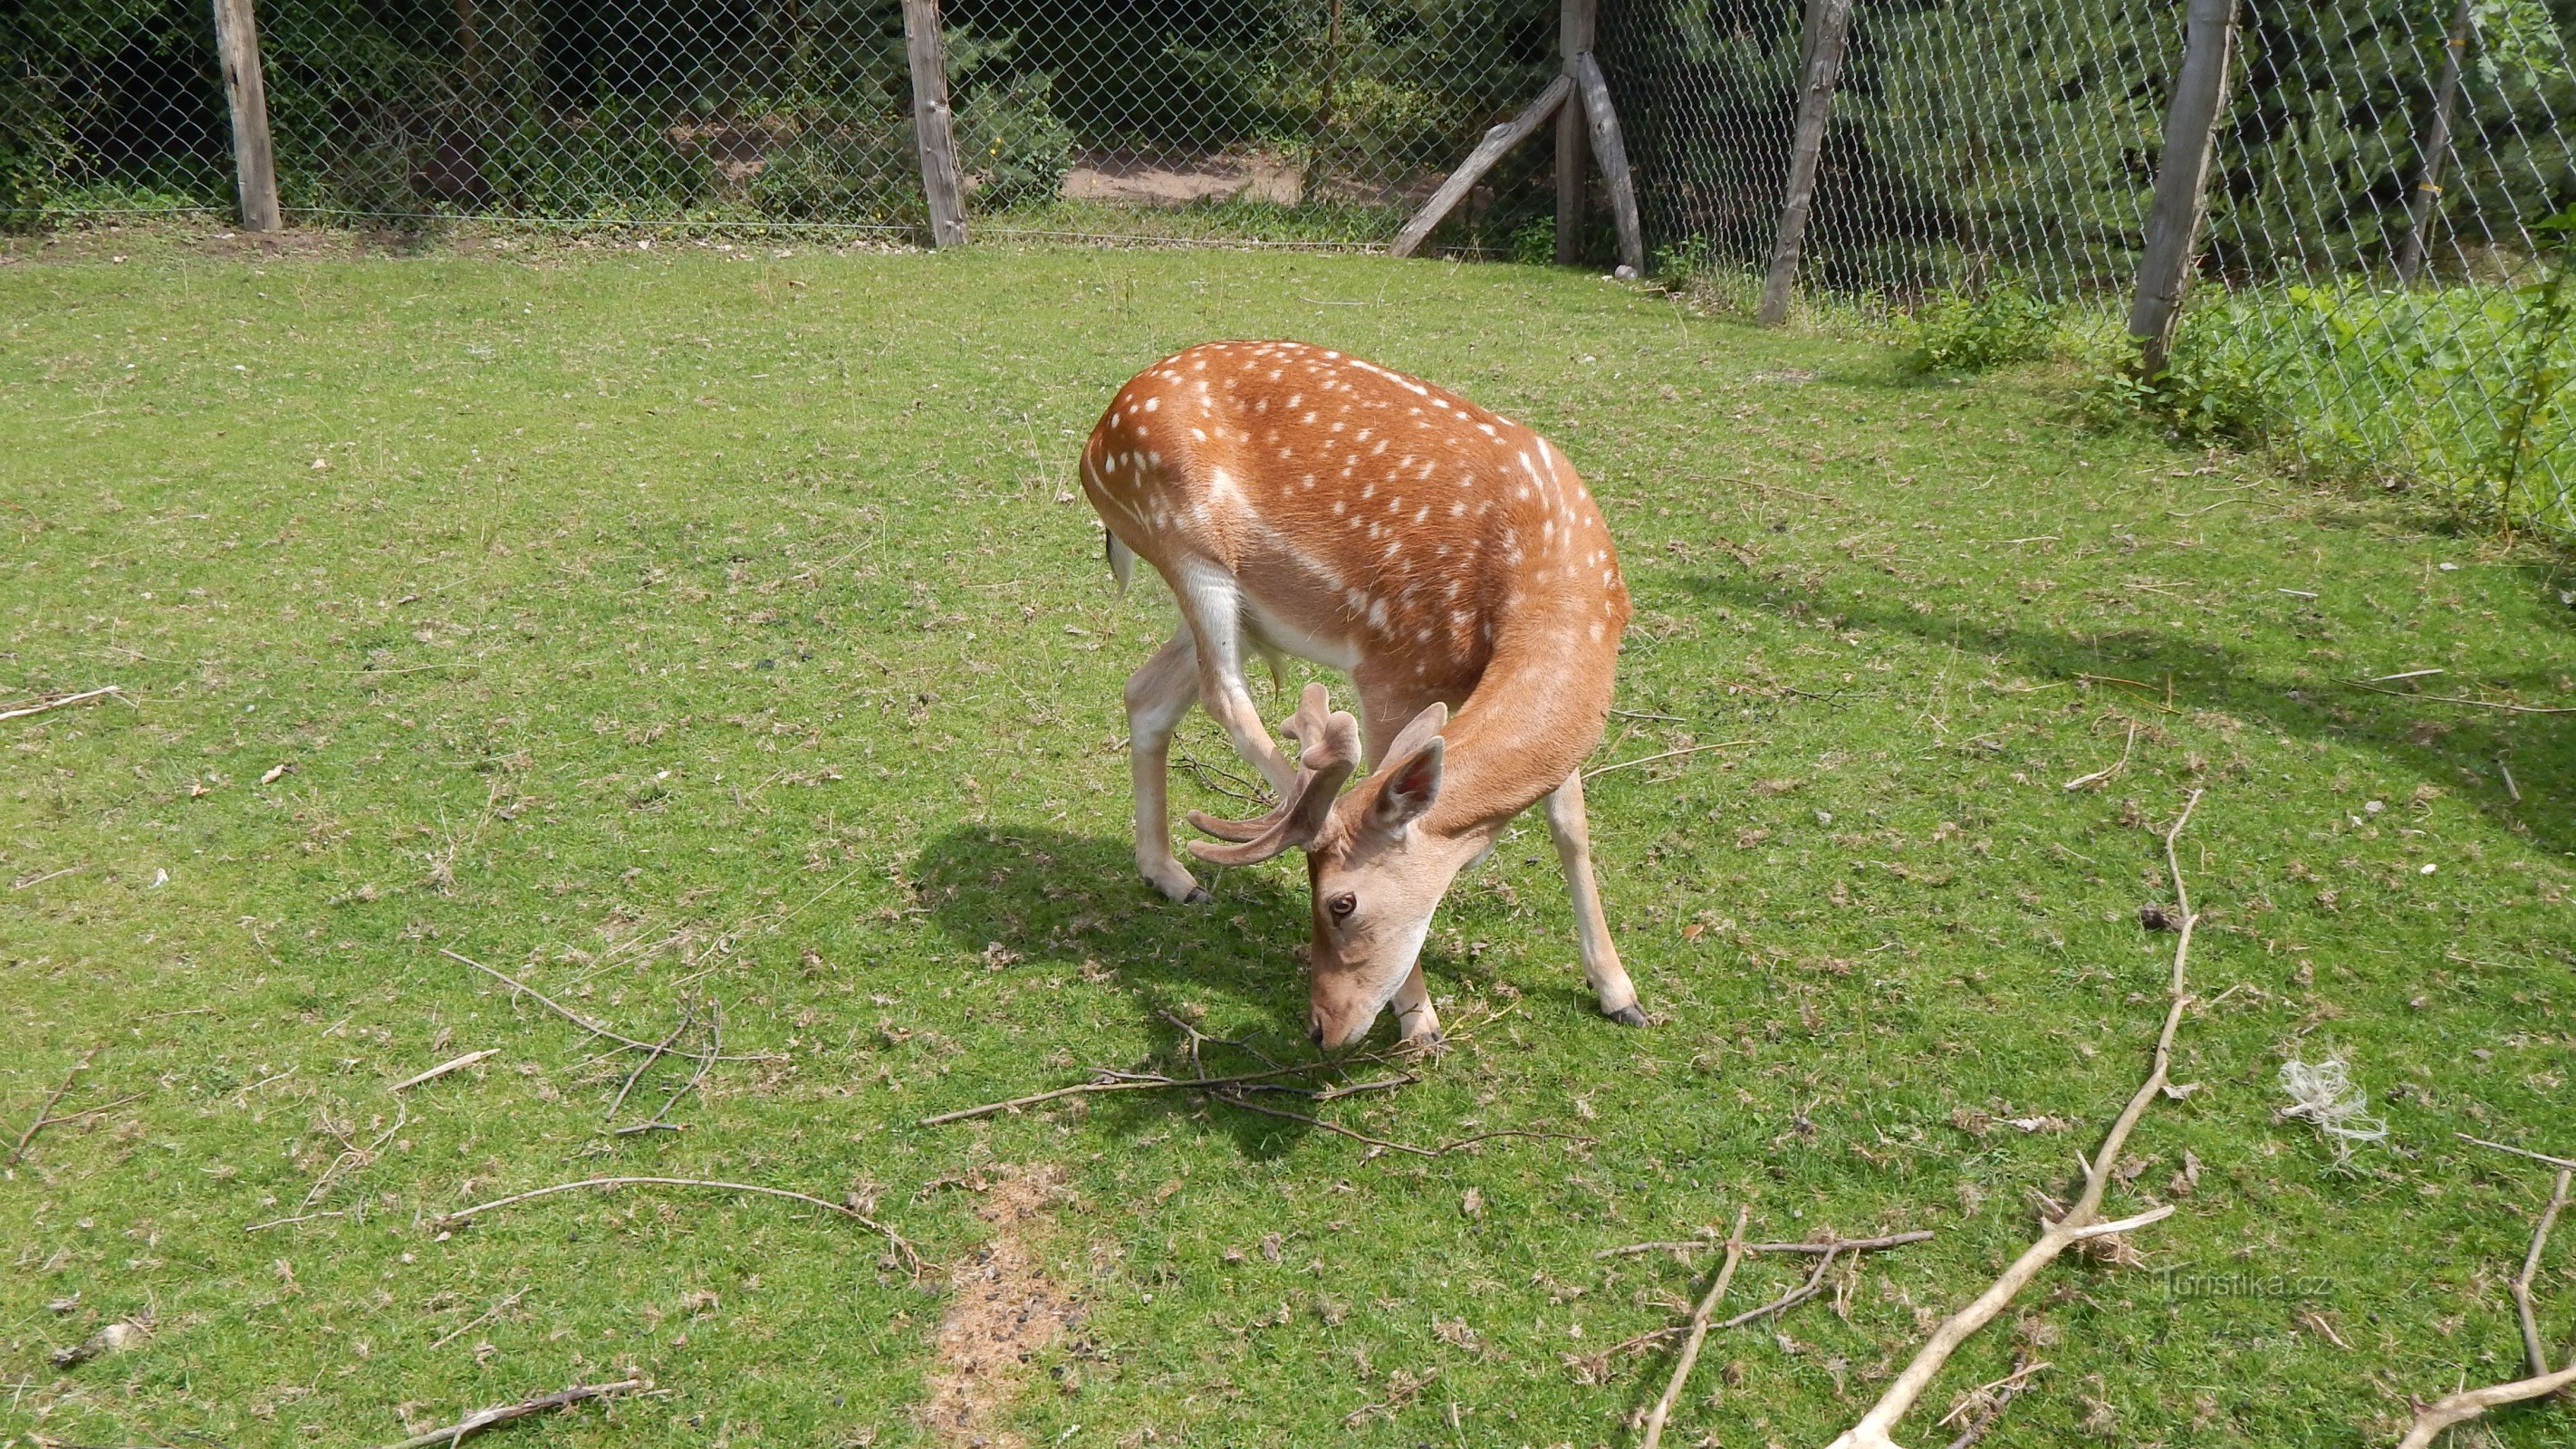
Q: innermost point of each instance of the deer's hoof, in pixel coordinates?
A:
(1630, 1015)
(1428, 1043)
(1198, 896)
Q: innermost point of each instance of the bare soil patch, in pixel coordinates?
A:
(1003, 1306)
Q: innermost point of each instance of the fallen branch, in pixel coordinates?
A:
(1790, 1299)
(585, 1023)
(461, 1215)
(40, 706)
(1698, 1331)
(45, 1114)
(2533, 1349)
(453, 1064)
(2082, 1221)
(504, 1413)
(2460, 1408)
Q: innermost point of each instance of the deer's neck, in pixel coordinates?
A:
(1535, 714)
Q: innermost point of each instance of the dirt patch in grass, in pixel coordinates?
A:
(1002, 1307)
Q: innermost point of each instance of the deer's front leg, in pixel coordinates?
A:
(1610, 984)
(1212, 609)
(1158, 695)
(1415, 1020)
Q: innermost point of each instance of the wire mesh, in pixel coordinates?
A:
(2375, 287)
(1282, 120)
(2375, 284)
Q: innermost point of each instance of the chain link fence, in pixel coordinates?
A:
(2373, 285)
(1277, 120)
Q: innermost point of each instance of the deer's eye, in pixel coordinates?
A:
(1342, 905)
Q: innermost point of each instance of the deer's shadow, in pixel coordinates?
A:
(1045, 900)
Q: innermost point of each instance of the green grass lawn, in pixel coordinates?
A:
(724, 628)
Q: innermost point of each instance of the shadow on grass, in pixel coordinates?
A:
(2455, 747)
(1046, 900)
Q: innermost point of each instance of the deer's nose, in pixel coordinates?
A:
(1315, 1029)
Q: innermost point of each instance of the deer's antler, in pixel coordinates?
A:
(1328, 750)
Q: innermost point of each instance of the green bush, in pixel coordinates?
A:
(1010, 140)
(1960, 332)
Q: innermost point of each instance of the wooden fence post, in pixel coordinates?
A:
(2437, 146)
(254, 161)
(933, 133)
(1575, 29)
(2182, 179)
(1827, 25)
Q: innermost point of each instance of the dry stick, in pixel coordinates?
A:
(2532, 1347)
(2116, 766)
(45, 1113)
(1698, 1331)
(444, 1220)
(502, 1305)
(443, 1068)
(585, 1023)
(42, 705)
(1995, 1396)
(1827, 1245)
(1790, 1299)
(2517, 1151)
(650, 1058)
(2080, 1222)
(715, 1048)
(1671, 754)
(504, 1413)
(2459, 1408)
(2475, 703)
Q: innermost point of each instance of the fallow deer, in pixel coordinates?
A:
(1301, 501)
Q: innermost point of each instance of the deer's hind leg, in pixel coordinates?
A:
(1159, 694)
(1610, 984)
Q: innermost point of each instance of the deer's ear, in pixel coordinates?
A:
(1412, 782)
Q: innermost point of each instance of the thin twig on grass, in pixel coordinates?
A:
(2473, 703)
(40, 706)
(461, 1215)
(585, 1023)
(1669, 755)
(650, 1057)
(500, 1306)
(1790, 1299)
(1698, 1331)
(2518, 1151)
(1821, 1245)
(2115, 767)
(45, 1114)
(715, 1049)
(1986, 1402)
(2078, 1223)
(453, 1064)
(504, 1413)
(298, 1218)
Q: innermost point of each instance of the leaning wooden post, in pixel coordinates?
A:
(1601, 119)
(2437, 146)
(933, 133)
(1575, 29)
(2182, 178)
(254, 160)
(1828, 23)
